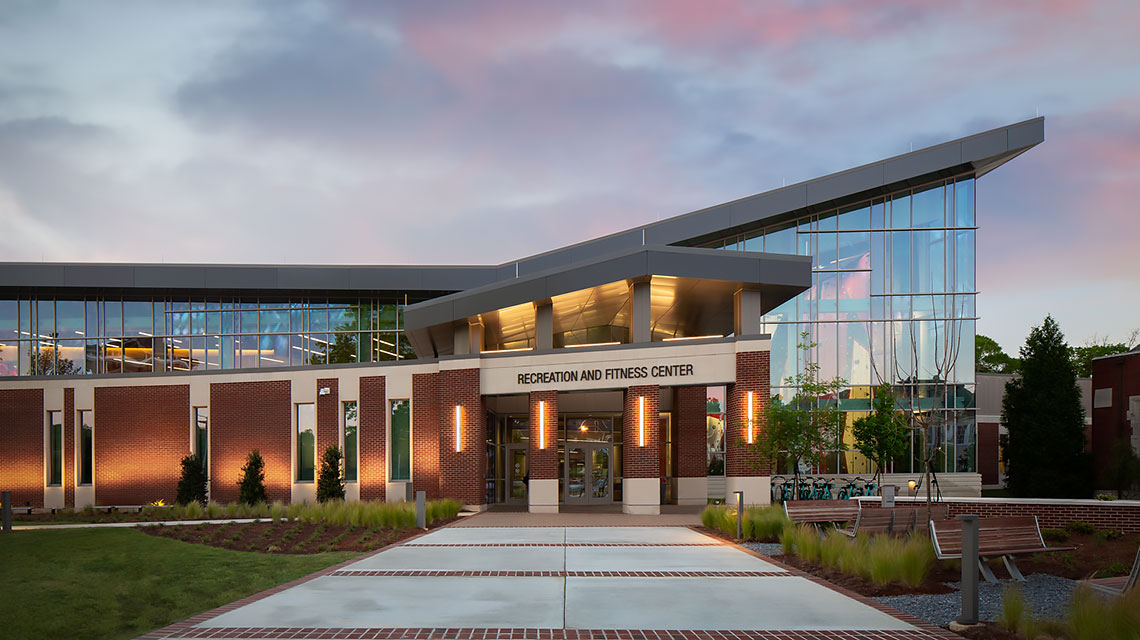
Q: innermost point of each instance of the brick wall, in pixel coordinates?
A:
(69, 447)
(247, 416)
(751, 375)
(543, 464)
(328, 419)
(372, 433)
(425, 433)
(1122, 514)
(641, 461)
(690, 432)
(22, 443)
(141, 435)
(462, 471)
(1110, 425)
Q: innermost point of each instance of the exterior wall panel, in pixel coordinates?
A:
(373, 434)
(22, 441)
(141, 436)
(248, 416)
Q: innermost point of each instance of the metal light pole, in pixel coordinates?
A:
(739, 514)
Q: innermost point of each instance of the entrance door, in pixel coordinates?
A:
(589, 476)
(517, 474)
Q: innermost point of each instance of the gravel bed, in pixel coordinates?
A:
(1047, 595)
(764, 548)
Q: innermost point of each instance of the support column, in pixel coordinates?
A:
(462, 438)
(690, 448)
(747, 311)
(328, 419)
(425, 433)
(543, 325)
(70, 452)
(641, 440)
(746, 470)
(640, 329)
(372, 434)
(542, 453)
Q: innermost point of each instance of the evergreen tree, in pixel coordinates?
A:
(1044, 452)
(252, 481)
(330, 486)
(885, 433)
(192, 483)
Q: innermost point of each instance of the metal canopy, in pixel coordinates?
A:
(691, 294)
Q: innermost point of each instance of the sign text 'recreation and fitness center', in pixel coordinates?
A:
(610, 373)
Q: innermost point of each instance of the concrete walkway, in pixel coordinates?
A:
(554, 582)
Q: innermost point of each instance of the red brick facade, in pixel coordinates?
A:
(247, 416)
(372, 412)
(1122, 515)
(425, 434)
(22, 423)
(751, 375)
(542, 464)
(141, 435)
(690, 431)
(641, 461)
(328, 418)
(1119, 378)
(989, 453)
(463, 468)
(69, 452)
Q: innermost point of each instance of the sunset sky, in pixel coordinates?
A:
(478, 132)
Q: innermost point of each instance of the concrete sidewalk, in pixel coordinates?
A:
(573, 582)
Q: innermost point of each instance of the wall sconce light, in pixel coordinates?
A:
(541, 424)
(641, 421)
(751, 421)
(911, 484)
(325, 391)
(458, 424)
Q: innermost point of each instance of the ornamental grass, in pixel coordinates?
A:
(879, 559)
(370, 514)
(758, 523)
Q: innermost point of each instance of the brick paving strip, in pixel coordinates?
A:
(561, 545)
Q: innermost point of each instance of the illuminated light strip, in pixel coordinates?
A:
(591, 344)
(541, 424)
(458, 422)
(691, 338)
(751, 422)
(641, 421)
(510, 350)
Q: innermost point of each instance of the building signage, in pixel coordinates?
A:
(675, 370)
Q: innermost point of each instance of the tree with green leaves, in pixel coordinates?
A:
(192, 483)
(1100, 347)
(989, 357)
(885, 434)
(330, 484)
(1123, 472)
(1044, 450)
(809, 423)
(252, 481)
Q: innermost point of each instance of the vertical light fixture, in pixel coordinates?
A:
(458, 423)
(751, 421)
(641, 421)
(541, 424)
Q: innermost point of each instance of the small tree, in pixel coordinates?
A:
(885, 433)
(330, 486)
(1123, 472)
(252, 481)
(806, 425)
(192, 484)
(1045, 447)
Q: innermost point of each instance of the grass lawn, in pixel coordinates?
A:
(119, 583)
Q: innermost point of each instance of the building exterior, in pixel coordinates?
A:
(1115, 410)
(633, 368)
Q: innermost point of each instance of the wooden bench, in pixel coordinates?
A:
(874, 521)
(1118, 585)
(821, 511)
(921, 522)
(997, 537)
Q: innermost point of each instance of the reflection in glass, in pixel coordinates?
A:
(86, 445)
(401, 440)
(600, 473)
(350, 441)
(576, 472)
(306, 441)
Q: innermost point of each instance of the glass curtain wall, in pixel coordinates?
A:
(892, 300)
(46, 336)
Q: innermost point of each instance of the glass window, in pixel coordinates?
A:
(351, 441)
(900, 212)
(343, 348)
(854, 294)
(276, 321)
(344, 319)
(202, 435)
(927, 208)
(858, 219)
(9, 320)
(715, 430)
(878, 262)
(246, 357)
(964, 203)
(900, 262)
(275, 351)
(9, 358)
(70, 356)
(137, 320)
(782, 241)
(92, 313)
(401, 440)
(112, 318)
(45, 318)
(86, 446)
(386, 317)
(828, 259)
(854, 250)
(928, 264)
(306, 441)
(318, 319)
(55, 438)
(877, 209)
(69, 322)
(966, 264)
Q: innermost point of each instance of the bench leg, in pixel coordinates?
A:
(1012, 568)
(987, 573)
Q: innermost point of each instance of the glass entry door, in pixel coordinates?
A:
(589, 473)
(517, 474)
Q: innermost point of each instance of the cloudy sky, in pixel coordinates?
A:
(477, 132)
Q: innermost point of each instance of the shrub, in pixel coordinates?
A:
(192, 483)
(1105, 496)
(757, 523)
(252, 481)
(1078, 527)
(1112, 570)
(1054, 535)
(1105, 535)
(330, 486)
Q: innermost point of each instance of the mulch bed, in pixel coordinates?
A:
(989, 631)
(285, 537)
